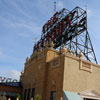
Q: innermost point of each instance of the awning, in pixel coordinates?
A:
(71, 96)
(91, 94)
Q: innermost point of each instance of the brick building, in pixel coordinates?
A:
(10, 89)
(57, 75)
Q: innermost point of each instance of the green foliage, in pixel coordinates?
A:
(37, 97)
(18, 96)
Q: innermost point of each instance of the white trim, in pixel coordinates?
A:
(91, 94)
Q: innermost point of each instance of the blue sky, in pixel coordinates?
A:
(21, 22)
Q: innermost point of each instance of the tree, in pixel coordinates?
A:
(18, 96)
(37, 97)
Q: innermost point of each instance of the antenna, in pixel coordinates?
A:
(54, 6)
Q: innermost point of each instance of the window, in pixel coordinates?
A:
(53, 95)
(28, 95)
(25, 94)
(33, 93)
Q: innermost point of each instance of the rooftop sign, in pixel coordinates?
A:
(68, 28)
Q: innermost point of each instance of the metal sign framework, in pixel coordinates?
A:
(7, 80)
(69, 28)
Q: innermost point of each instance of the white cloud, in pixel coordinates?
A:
(60, 5)
(30, 26)
(14, 4)
(89, 12)
(0, 53)
(33, 27)
(14, 74)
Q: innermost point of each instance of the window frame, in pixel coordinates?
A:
(53, 95)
